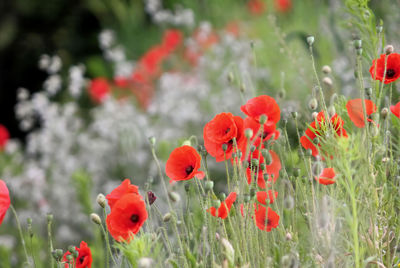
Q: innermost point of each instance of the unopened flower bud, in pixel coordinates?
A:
(263, 166)
(216, 203)
(95, 218)
(389, 49)
(186, 142)
(224, 147)
(296, 172)
(358, 44)
(331, 111)
(71, 248)
(246, 198)
(313, 104)
(263, 119)
(174, 197)
(326, 69)
(69, 258)
(167, 217)
(288, 236)
(49, 218)
(368, 91)
(294, 115)
(151, 197)
(314, 115)
(230, 77)
(316, 140)
(282, 93)
(254, 162)
(327, 81)
(58, 253)
(379, 28)
(242, 88)
(252, 148)
(310, 40)
(308, 152)
(359, 51)
(209, 185)
(384, 112)
(145, 262)
(101, 200)
(152, 140)
(248, 133)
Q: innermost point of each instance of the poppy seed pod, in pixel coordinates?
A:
(313, 104)
(254, 162)
(95, 218)
(248, 133)
(326, 69)
(389, 49)
(71, 248)
(101, 200)
(310, 40)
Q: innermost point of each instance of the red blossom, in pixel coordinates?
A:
(124, 188)
(266, 221)
(271, 170)
(395, 109)
(4, 137)
(356, 114)
(327, 176)
(4, 200)
(262, 105)
(283, 5)
(256, 7)
(225, 207)
(84, 259)
(183, 164)
(392, 62)
(99, 89)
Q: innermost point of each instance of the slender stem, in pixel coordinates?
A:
(20, 234)
(107, 245)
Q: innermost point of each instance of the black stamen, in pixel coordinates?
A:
(189, 170)
(390, 73)
(135, 218)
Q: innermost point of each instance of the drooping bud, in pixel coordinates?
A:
(389, 49)
(316, 140)
(152, 140)
(384, 112)
(294, 115)
(252, 148)
(310, 40)
(296, 172)
(358, 44)
(326, 69)
(308, 152)
(359, 51)
(95, 218)
(368, 91)
(216, 203)
(101, 200)
(167, 217)
(224, 147)
(288, 236)
(209, 185)
(49, 218)
(327, 81)
(174, 197)
(263, 166)
(151, 197)
(313, 104)
(242, 87)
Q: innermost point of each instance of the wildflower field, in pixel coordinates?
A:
(229, 133)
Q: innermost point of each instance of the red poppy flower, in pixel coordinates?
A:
(318, 130)
(266, 221)
(151, 61)
(223, 210)
(4, 137)
(4, 200)
(233, 28)
(327, 176)
(183, 164)
(263, 196)
(272, 170)
(99, 89)
(256, 7)
(356, 114)
(84, 259)
(283, 5)
(205, 39)
(126, 217)
(171, 40)
(222, 129)
(269, 131)
(124, 188)
(392, 68)
(262, 105)
(395, 109)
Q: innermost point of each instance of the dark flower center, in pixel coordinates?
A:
(189, 170)
(268, 221)
(82, 259)
(227, 130)
(135, 218)
(390, 73)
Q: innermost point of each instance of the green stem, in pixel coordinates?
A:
(20, 234)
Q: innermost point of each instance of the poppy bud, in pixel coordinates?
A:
(379, 28)
(310, 40)
(263, 166)
(315, 140)
(246, 198)
(313, 104)
(296, 172)
(359, 51)
(49, 218)
(245, 165)
(224, 147)
(58, 253)
(248, 133)
(75, 254)
(288, 236)
(101, 200)
(368, 91)
(281, 93)
(242, 88)
(268, 159)
(69, 258)
(263, 119)
(331, 111)
(374, 131)
(252, 148)
(209, 185)
(254, 162)
(152, 140)
(186, 142)
(71, 249)
(358, 44)
(294, 115)
(167, 217)
(230, 77)
(95, 218)
(216, 203)
(326, 69)
(327, 81)
(174, 196)
(145, 262)
(384, 112)
(389, 49)
(152, 197)
(314, 115)
(308, 152)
